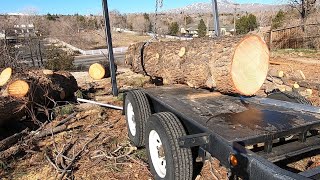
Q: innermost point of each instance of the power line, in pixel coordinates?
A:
(235, 17)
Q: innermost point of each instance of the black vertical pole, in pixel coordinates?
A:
(110, 47)
(216, 17)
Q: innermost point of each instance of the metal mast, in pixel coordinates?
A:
(216, 17)
(110, 47)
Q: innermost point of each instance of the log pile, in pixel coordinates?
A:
(294, 80)
(231, 65)
(22, 92)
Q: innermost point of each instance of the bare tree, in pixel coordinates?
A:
(139, 24)
(305, 8)
(117, 19)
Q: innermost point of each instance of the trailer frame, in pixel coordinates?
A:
(276, 124)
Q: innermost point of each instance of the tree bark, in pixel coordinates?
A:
(44, 91)
(11, 108)
(44, 88)
(231, 65)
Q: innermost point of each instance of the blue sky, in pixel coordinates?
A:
(94, 6)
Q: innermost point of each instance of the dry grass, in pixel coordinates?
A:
(96, 39)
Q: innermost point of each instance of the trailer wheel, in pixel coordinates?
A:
(166, 159)
(137, 110)
(290, 97)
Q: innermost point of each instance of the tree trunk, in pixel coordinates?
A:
(11, 108)
(44, 88)
(44, 91)
(231, 65)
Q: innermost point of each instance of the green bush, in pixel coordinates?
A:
(277, 21)
(58, 59)
(246, 24)
(174, 29)
(202, 29)
(51, 17)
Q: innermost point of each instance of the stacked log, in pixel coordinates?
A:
(36, 88)
(231, 65)
(295, 80)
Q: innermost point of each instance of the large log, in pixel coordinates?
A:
(231, 65)
(12, 108)
(44, 89)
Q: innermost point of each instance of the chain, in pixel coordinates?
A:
(159, 4)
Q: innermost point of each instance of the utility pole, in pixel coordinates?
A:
(208, 26)
(235, 18)
(216, 17)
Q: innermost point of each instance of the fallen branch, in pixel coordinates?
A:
(19, 147)
(9, 141)
(310, 85)
(131, 149)
(55, 130)
(51, 162)
(63, 154)
(11, 151)
(67, 119)
(77, 156)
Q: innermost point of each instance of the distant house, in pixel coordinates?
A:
(24, 29)
(193, 31)
(17, 31)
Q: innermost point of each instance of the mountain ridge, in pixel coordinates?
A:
(225, 6)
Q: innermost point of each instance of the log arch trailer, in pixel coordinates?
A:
(249, 136)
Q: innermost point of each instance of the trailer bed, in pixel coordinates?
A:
(233, 118)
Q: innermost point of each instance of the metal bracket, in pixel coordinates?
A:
(303, 136)
(193, 140)
(268, 146)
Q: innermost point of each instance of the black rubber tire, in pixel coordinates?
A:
(142, 111)
(179, 162)
(290, 97)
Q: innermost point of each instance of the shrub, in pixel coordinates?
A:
(57, 59)
(246, 24)
(277, 21)
(202, 29)
(174, 29)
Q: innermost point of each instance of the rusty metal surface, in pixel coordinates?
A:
(232, 118)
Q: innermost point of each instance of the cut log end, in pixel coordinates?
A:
(47, 72)
(182, 52)
(5, 76)
(296, 86)
(250, 65)
(157, 55)
(18, 89)
(97, 71)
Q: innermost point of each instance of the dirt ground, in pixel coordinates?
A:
(102, 135)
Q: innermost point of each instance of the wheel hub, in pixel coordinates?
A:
(161, 152)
